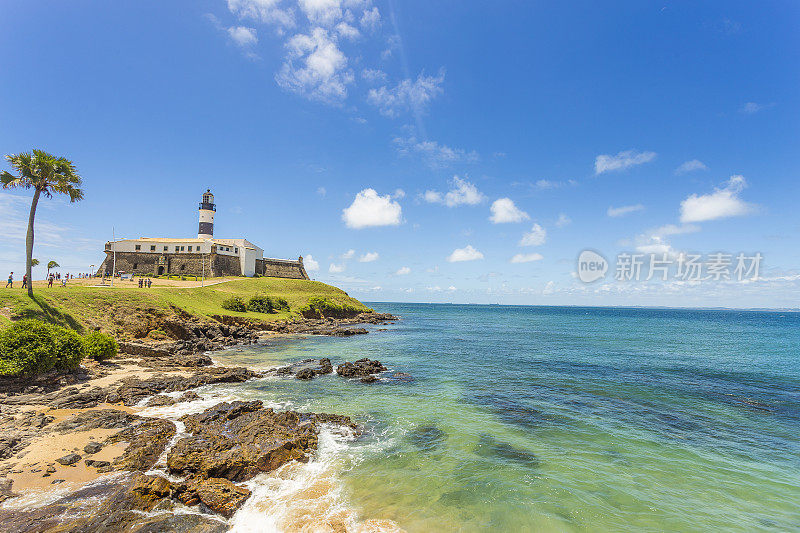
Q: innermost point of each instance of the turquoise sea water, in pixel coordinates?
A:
(559, 419)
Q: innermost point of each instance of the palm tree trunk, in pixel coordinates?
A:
(29, 242)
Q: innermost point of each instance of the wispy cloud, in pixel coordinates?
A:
(436, 155)
(751, 108)
(690, 166)
(624, 210)
(623, 160)
(462, 193)
(526, 258)
(407, 95)
(535, 237)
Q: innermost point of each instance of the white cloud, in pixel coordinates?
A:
(462, 193)
(437, 155)
(265, 11)
(535, 237)
(335, 269)
(347, 31)
(624, 210)
(504, 211)
(398, 194)
(751, 108)
(621, 161)
(689, 166)
(371, 20)
(349, 254)
(315, 68)
(722, 203)
(467, 253)
(373, 75)
(322, 191)
(370, 209)
(432, 197)
(452, 288)
(368, 257)
(244, 37)
(526, 258)
(310, 263)
(412, 95)
(563, 220)
(322, 12)
(403, 271)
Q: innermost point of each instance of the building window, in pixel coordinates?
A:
(135, 266)
(153, 248)
(166, 249)
(236, 250)
(177, 248)
(183, 267)
(138, 247)
(190, 249)
(181, 248)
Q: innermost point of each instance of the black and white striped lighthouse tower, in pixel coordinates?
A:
(207, 210)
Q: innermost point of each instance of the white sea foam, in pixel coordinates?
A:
(306, 497)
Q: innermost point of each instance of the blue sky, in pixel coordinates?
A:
(438, 141)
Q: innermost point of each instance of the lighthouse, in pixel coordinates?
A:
(207, 209)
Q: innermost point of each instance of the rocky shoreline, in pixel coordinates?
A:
(81, 431)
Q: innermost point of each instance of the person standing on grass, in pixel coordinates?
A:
(10, 282)
(50, 280)
(24, 280)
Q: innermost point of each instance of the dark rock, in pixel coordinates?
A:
(360, 368)
(305, 374)
(147, 440)
(426, 438)
(369, 379)
(69, 459)
(219, 495)
(92, 447)
(96, 464)
(5, 489)
(488, 446)
(238, 440)
(325, 366)
(160, 401)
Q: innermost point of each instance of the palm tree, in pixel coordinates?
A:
(45, 174)
(51, 265)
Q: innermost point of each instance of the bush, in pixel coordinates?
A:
(30, 346)
(234, 303)
(281, 304)
(69, 347)
(261, 304)
(100, 346)
(319, 307)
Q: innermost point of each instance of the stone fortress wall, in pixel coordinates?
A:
(281, 268)
(190, 264)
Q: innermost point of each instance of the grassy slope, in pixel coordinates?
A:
(82, 307)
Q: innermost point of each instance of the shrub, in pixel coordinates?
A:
(69, 347)
(281, 304)
(261, 304)
(234, 303)
(100, 346)
(27, 347)
(30, 346)
(319, 307)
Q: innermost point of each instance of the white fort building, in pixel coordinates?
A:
(203, 256)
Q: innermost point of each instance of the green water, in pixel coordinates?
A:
(562, 419)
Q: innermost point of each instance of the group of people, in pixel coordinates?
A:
(50, 279)
(145, 282)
